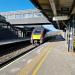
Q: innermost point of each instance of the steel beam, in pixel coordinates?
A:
(52, 3)
(72, 10)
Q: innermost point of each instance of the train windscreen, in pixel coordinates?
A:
(37, 32)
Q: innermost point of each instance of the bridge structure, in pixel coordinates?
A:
(20, 17)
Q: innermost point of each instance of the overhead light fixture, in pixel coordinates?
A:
(58, 18)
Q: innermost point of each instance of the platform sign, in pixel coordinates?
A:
(57, 18)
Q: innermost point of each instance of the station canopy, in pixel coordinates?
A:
(53, 8)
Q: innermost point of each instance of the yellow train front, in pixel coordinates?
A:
(37, 36)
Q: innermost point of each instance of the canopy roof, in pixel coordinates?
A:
(52, 8)
(56, 7)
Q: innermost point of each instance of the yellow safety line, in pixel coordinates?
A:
(25, 70)
(41, 62)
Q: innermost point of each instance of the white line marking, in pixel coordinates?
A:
(14, 70)
(38, 51)
(41, 47)
(29, 61)
(24, 60)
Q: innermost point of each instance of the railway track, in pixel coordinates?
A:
(12, 55)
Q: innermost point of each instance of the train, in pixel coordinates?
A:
(39, 34)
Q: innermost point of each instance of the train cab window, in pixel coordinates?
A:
(37, 32)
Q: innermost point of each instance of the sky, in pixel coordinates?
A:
(13, 5)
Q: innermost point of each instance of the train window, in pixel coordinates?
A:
(37, 32)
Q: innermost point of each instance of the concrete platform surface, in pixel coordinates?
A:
(59, 61)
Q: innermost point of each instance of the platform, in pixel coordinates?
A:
(13, 41)
(50, 58)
